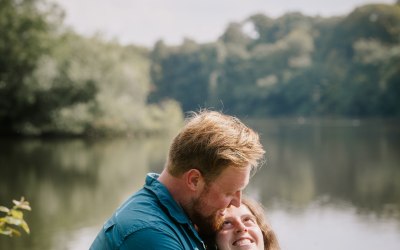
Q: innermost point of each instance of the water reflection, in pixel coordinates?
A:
(354, 164)
(71, 184)
(326, 181)
(338, 176)
(332, 227)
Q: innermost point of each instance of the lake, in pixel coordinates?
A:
(326, 184)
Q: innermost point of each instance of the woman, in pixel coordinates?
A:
(245, 227)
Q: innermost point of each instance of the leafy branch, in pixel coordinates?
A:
(14, 218)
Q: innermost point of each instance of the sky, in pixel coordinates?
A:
(143, 22)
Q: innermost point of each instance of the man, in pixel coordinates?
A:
(209, 164)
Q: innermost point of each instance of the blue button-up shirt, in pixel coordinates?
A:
(149, 219)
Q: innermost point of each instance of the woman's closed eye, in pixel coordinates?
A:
(227, 224)
(249, 220)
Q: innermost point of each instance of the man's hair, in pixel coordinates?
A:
(210, 142)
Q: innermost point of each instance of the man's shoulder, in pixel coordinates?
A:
(142, 218)
(140, 221)
(142, 210)
(123, 233)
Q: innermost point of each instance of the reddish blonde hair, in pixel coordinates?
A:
(212, 141)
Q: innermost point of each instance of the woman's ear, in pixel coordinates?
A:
(194, 180)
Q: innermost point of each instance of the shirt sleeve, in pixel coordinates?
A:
(151, 239)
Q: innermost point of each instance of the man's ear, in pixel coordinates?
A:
(194, 180)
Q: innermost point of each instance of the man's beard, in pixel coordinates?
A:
(207, 226)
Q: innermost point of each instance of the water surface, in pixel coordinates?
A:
(326, 184)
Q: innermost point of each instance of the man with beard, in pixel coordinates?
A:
(209, 164)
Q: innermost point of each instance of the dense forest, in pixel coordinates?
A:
(294, 65)
(54, 81)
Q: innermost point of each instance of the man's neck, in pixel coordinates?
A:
(175, 186)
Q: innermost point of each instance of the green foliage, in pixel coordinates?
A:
(376, 21)
(25, 38)
(53, 81)
(14, 218)
(235, 35)
(291, 65)
(98, 88)
(271, 31)
(376, 66)
(182, 71)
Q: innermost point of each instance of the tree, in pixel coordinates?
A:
(183, 73)
(234, 34)
(374, 21)
(25, 38)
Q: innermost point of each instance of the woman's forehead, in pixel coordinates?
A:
(237, 211)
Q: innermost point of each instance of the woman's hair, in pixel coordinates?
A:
(269, 236)
(212, 141)
(270, 239)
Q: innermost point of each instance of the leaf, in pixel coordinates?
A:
(6, 231)
(13, 221)
(18, 203)
(25, 226)
(15, 232)
(25, 206)
(16, 214)
(4, 209)
(14, 217)
(22, 204)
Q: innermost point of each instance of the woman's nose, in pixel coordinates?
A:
(241, 227)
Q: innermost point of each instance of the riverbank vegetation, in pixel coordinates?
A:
(56, 82)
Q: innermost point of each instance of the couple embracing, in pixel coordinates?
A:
(196, 202)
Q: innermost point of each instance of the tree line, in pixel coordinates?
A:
(54, 81)
(294, 65)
